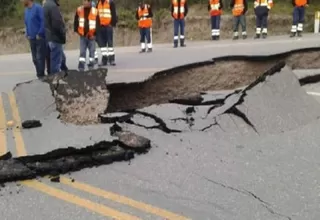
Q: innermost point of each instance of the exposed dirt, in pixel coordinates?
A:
(191, 81)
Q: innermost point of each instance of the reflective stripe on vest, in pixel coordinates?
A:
(214, 7)
(300, 3)
(176, 8)
(104, 13)
(91, 18)
(144, 21)
(264, 3)
(238, 8)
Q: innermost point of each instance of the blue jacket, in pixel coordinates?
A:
(34, 21)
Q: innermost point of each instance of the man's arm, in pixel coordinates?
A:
(209, 7)
(150, 12)
(57, 21)
(114, 18)
(137, 14)
(171, 8)
(76, 22)
(41, 19)
(25, 23)
(232, 3)
(308, 2)
(186, 9)
(221, 4)
(293, 2)
(245, 2)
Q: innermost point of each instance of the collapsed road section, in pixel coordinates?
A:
(174, 101)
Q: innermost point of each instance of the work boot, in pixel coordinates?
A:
(96, 60)
(264, 35)
(299, 33)
(81, 66)
(91, 65)
(104, 61)
(244, 37)
(213, 37)
(175, 43)
(142, 51)
(257, 36)
(149, 50)
(293, 34)
(111, 60)
(182, 44)
(235, 38)
(218, 37)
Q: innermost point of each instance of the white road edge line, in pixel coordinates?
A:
(314, 93)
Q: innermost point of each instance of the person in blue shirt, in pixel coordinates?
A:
(35, 33)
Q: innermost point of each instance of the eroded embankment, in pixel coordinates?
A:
(189, 80)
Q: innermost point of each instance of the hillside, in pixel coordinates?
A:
(197, 23)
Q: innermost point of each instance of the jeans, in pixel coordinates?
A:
(261, 19)
(38, 52)
(178, 24)
(105, 42)
(145, 35)
(298, 19)
(56, 57)
(86, 44)
(239, 20)
(215, 25)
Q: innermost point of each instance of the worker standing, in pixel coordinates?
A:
(215, 9)
(179, 10)
(298, 17)
(85, 25)
(107, 20)
(239, 9)
(144, 16)
(261, 9)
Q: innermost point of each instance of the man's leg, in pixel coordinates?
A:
(96, 56)
(48, 58)
(110, 46)
(218, 18)
(295, 19)
(264, 26)
(102, 42)
(258, 26)
(236, 21)
(301, 21)
(91, 47)
(56, 54)
(33, 48)
(142, 40)
(213, 30)
(182, 25)
(243, 26)
(175, 32)
(41, 57)
(83, 54)
(148, 37)
(64, 61)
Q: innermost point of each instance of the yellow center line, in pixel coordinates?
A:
(3, 141)
(57, 193)
(95, 207)
(121, 199)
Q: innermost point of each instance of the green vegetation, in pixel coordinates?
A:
(12, 11)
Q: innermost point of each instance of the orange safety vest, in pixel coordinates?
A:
(176, 7)
(263, 3)
(238, 8)
(104, 13)
(92, 21)
(144, 21)
(300, 3)
(214, 7)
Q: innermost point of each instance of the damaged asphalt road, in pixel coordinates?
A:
(248, 153)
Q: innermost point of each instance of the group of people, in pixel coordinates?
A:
(94, 23)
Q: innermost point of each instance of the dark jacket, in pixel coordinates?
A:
(34, 21)
(114, 17)
(150, 13)
(86, 21)
(221, 5)
(186, 9)
(245, 2)
(294, 2)
(54, 23)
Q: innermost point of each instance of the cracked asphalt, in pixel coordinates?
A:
(227, 172)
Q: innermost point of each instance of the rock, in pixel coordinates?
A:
(13, 169)
(31, 124)
(114, 117)
(133, 141)
(55, 179)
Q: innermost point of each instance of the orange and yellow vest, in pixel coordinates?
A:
(300, 3)
(176, 7)
(104, 12)
(92, 21)
(238, 8)
(214, 7)
(144, 21)
(263, 3)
